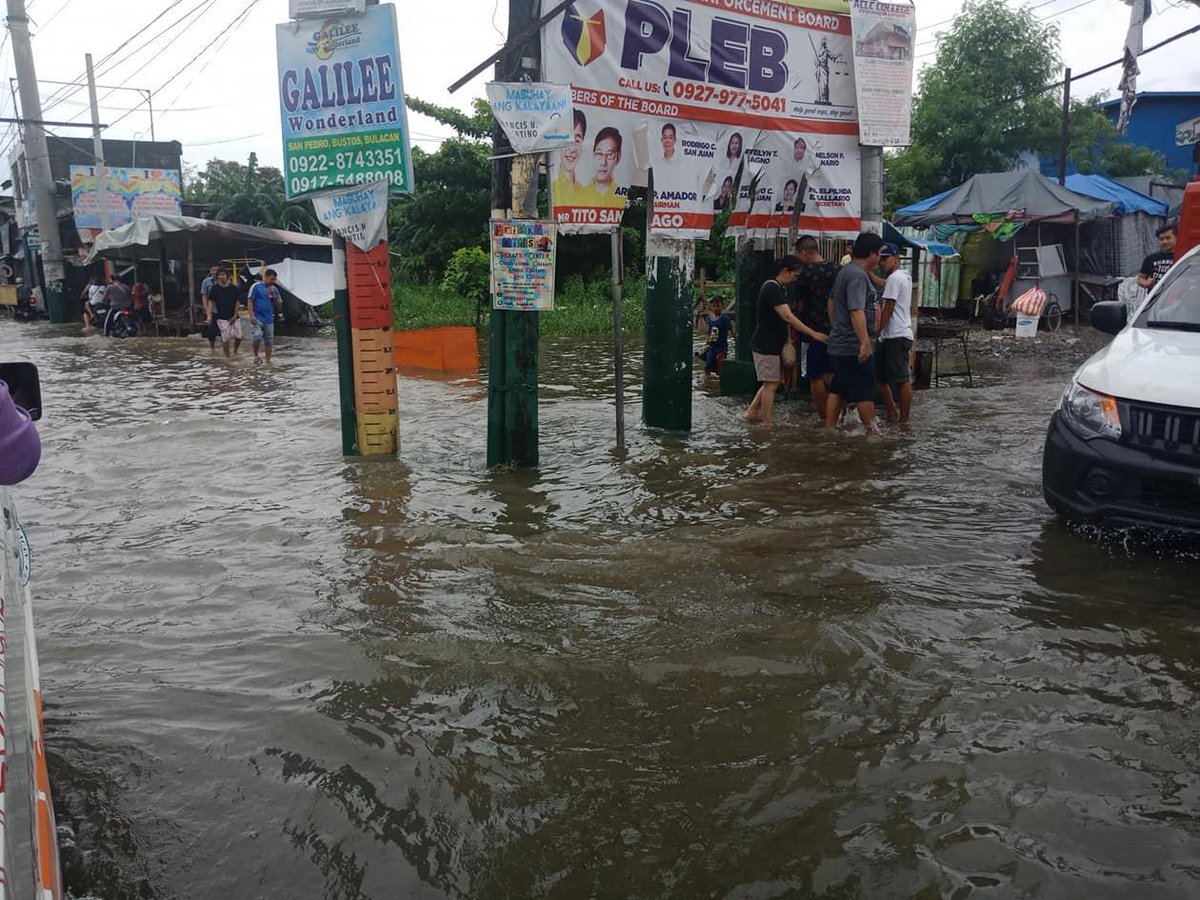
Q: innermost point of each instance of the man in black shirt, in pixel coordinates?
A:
(1155, 265)
(223, 297)
(773, 316)
(814, 286)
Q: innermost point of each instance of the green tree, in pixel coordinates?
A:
(980, 105)
(248, 194)
(1096, 146)
(449, 208)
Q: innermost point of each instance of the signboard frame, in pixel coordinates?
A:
(343, 116)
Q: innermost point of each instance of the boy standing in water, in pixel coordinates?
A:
(720, 327)
(264, 297)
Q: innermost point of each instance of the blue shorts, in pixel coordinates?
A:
(818, 361)
(263, 333)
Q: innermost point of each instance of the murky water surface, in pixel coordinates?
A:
(738, 664)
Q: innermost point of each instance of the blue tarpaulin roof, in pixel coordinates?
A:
(1127, 199)
(894, 236)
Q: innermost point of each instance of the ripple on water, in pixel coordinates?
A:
(734, 664)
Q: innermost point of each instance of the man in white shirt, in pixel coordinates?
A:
(893, 372)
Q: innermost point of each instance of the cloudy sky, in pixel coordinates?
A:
(211, 63)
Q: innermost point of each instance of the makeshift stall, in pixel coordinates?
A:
(203, 242)
(1004, 204)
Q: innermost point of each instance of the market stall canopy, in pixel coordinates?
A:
(1127, 199)
(1017, 196)
(208, 239)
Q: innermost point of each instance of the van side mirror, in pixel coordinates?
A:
(1110, 316)
(23, 386)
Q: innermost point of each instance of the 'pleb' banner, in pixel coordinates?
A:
(535, 117)
(708, 94)
(883, 70)
(358, 214)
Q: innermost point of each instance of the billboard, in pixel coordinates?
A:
(341, 101)
(707, 95)
(883, 70)
(131, 193)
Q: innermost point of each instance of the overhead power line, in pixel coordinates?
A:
(80, 78)
(241, 17)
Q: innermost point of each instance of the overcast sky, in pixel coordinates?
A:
(225, 103)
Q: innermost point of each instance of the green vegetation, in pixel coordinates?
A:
(981, 106)
(581, 307)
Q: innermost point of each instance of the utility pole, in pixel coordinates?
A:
(872, 189)
(513, 358)
(98, 146)
(1064, 144)
(37, 156)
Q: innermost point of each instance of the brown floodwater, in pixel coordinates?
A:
(735, 664)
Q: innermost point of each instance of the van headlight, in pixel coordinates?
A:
(1089, 414)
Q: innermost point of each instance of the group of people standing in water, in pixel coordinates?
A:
(854, 326)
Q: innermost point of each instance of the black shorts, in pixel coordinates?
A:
(853, 381)
(891, 361)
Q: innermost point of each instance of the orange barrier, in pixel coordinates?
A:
(448, 349)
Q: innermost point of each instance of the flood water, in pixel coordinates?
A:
(737, 664)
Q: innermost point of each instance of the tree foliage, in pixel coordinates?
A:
(248, 194)
(979, 106)
(449, 208)
(1096, 147)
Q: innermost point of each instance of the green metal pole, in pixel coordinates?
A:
(498, 451)
(521, 401)
(753, 268)
(345, 349)
(670, 269)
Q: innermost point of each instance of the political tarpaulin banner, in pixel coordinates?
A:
(883, 70)
(536, 117)
(709, 95)
(358, 214)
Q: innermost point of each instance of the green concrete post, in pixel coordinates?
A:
(670, 270)
(345, 349)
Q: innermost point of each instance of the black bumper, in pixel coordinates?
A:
(1106, 483)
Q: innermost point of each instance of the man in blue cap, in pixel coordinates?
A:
(893, 373)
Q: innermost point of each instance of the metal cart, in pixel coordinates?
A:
(1045, 268)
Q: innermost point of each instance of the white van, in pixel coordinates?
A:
(1124, 446)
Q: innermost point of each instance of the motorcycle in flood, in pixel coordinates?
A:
(118, 323)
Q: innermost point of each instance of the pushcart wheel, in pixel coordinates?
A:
(1053, 315)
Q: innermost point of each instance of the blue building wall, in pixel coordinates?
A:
(1153, 122)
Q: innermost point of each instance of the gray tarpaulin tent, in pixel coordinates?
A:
(1027, 196)
(1015, 196)
(184, 237)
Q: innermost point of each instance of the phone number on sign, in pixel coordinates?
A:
(362, 159)
(302, 184)
(706, 93)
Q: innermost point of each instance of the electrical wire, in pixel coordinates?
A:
(241, 17)
(201, 8)
(1047, 18)
(80, 81)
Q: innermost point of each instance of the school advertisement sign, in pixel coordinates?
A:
(883, 70)
(131, 193)
(341, 99)
(523, 255)
(742, 103)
